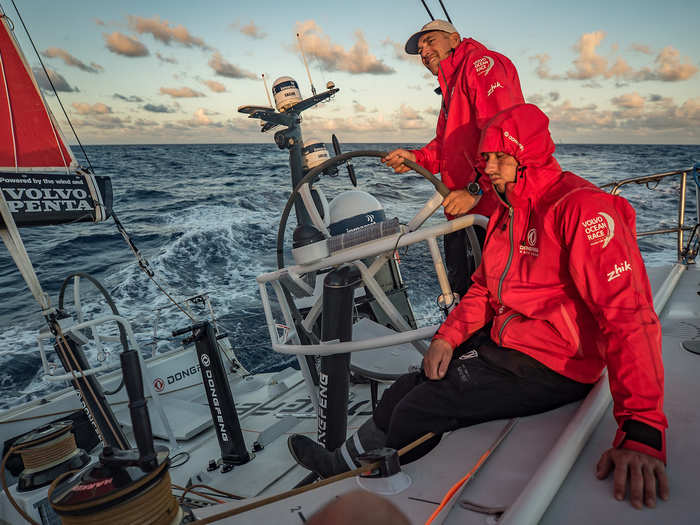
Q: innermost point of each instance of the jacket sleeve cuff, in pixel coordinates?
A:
(454, 339)
(640, 437)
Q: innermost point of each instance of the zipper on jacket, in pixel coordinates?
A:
(510, 254)
(503, 326)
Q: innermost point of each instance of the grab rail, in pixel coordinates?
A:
(680, 226)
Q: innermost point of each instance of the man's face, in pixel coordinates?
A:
(436, 46)
(501, 168)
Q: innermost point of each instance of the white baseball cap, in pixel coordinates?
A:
(433, 25)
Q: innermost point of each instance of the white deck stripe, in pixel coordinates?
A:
(346, 456)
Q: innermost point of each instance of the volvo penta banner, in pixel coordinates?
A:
(36, 199)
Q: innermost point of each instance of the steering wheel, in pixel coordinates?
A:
(331, 163)
(75, 278)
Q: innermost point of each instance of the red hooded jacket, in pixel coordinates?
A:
(476, 83)
(563, 281)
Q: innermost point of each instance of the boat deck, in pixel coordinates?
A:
(582, 498)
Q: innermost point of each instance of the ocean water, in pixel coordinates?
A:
(206, 218)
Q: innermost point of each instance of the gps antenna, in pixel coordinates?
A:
(313, 89)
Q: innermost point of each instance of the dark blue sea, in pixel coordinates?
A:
(206, 218)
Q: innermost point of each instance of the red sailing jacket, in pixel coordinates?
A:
(563, 281)
(476, 83)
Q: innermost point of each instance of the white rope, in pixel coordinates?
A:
(12, 239)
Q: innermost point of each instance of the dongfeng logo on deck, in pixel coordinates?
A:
(158, 384)
(205, 360)
(483, 65)
(599, 229)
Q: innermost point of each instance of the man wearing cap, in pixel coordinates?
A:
(475, 83)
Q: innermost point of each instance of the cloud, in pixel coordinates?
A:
(99, 21)
(183, 92)
(123, 45)
(225, 69)
(164, 32)
(253, 31)
(70, 60)
(83, 108)
(333, 57)
(542, 70)
(167, 60)
(655, 98)
(359, 108)
(103, 122)
(409, 118)
(553, 95)
(399, 52)
(629, 100)
(634, 120)
(216, 87)
(158, 108)
(669, 67)
(641, 48)
(589, 65)
(130, 98)
(59, 83)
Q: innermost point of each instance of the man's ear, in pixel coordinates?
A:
(455, 39)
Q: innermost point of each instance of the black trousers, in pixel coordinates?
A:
(483, 382)
(459, 258)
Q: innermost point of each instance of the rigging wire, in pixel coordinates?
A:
(48, 77)
(445, 11)
(428, 10)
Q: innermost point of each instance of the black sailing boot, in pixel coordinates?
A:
(325, 463)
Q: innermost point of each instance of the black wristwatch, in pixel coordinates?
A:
(474, 188)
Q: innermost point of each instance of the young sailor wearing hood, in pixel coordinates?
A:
(562, 281)
(561, 293)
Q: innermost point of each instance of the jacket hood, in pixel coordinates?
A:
(522, 131)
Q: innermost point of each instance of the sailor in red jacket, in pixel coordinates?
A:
(561, 293)
(562, 281)
(476, 83)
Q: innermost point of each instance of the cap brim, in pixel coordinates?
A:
(412, 43)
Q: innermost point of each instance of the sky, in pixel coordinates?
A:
(152, 72)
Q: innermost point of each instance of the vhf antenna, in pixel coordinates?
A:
(313, 89)
(443, 9)
(267, 91)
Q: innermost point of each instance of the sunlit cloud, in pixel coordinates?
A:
(225, 69)
(333, 57)
(183, 92)
(59, 83)
(216, 87)
(124, 45)
(399, 52)
(589, 65)
(641, 48)
(629, 100)
(83, 108)
(70, 60)
(164, 32)
(253, 31)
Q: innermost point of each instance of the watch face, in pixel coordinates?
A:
(474, 188)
